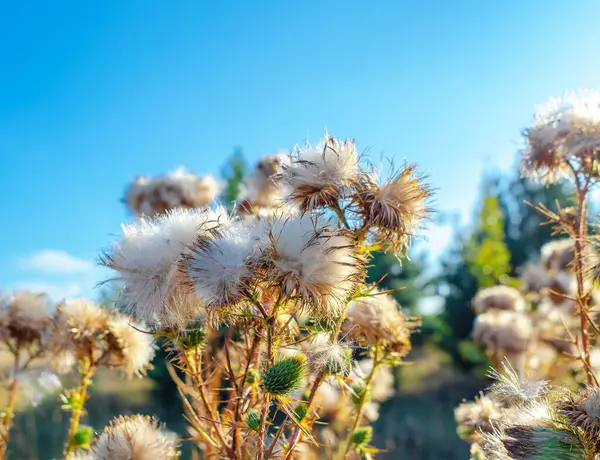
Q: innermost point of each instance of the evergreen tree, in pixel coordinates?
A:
(233, 173)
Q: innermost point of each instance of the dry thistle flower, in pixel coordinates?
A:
(75, 331)
(222, 267)
(499, 298)
(148, 259)
(564, 128)
(503, 331)
(24, 316)
(557, 255)
(394, 210)
(378, 317)
(313, 264)
(583, 410)
(133, 350)
(476, 417)
(262, 190)
(318, 176)
(179, 189)
(136, 437)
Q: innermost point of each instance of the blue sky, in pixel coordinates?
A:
(94, 93)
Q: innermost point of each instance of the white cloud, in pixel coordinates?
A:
(55, 261)
(56, 291)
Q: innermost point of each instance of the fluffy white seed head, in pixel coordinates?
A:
(317, 176)
(312, 263)
(133, 349)
(557, 255)
(24, 315)
(148, 257)
(262, 189)
(378, 317)
(564, 128)
(221, 268)
(137, 437)
(499, 298)
(179, 189)
(503, 331)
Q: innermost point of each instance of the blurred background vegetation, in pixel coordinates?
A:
(444, 367)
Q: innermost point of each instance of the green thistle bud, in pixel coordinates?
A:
(253, 377)
(284, 376)
(301, 411)
(253, 421)
(83, 437)
(359, 389)
(362, 436)
(194, 338)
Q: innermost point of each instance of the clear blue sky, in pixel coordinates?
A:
(94, 93)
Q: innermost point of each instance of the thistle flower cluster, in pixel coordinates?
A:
(84, 332)
(270, 302)
(564, 136)
(179, 189)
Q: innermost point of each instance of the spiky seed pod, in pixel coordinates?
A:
(253, 420)
(179, 189)
(193, 338)
(137, 437)
(156, 289)
(395, 210)
(583, 410)
(24, 316)
(362, 436)
(319, 176)
(500, 298)
(540, 443)
(359, 391)
(564, 129)
(285, 375)
(313, 264)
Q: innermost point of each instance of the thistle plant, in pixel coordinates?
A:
(266, 309)
(24, 321)
(548, 327)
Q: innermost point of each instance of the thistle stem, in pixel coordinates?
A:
(297, 432)
(77, 407)
(262, 429)
(361, 403)
(10, 408)
(582, 296)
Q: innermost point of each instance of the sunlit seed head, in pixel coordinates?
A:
(509, 387)
(563, 129)
(24, 316)
(333, 358)
(313, 264)
(148, 258)
(262, 189)
(176, 190)
(503, 331)
(318, 176)
(395, 209)
(557, 255)
(222, 268)
(500, 298)
(135, 437)
(133, 349)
